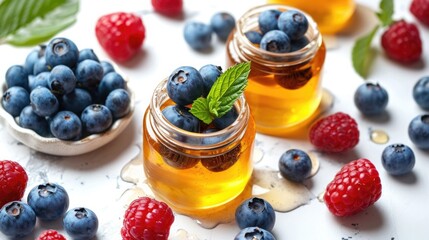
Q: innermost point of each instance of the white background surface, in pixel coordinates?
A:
(93, 180)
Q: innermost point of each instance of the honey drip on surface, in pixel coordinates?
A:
(378, 136)
(182, 234)
(266, 183)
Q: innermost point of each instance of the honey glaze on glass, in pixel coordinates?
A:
(266, 183)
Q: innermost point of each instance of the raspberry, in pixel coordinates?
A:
(50, 235)
(420, 10)
(335, 133)
(13, 181)
(402, 43)
(168, 7)
(120, 34)
(355, 187)
(147, 218)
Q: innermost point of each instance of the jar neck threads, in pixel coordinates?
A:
(249, 52)
(174, 137)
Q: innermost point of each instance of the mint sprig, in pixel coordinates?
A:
(223, 94)
(362, 53)
(386, 12)
(30, 22)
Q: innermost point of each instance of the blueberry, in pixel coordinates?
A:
(30, 120)
(222, 24)
(89, 74)
(62, 80)
(421, 92)
(40, 80)
(16, 75)
(14, 100)
(371, 99)
(87, 53)
(398, 159)
(293, 23)
(49, 201)
(185, 85)
(418, 131)
(43, 101)
(110, 82)
(119, 103)
(181, 117)
(40, 66)
(267, 20)
(66, 125)
(255, 212)
(211, 140)
(254, 36)
(61, 51)
(210, 74)
(33, 57)
(80, 223)
(17, 219)
(299, 43)
(76, 101)
(96, 118)
(295, 165)
(198, 35)
(226, 120)
(254, 233)
(107, 67)
(276, 41)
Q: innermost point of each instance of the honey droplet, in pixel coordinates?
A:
(282, 194)
(378, 136)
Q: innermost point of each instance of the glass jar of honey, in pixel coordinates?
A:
(284, 89)
(196, 171)
(331, 16)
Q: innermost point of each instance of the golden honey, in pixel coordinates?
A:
(284, 89)
(331, 16)
(186, 171)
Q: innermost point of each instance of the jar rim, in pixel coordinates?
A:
(175, 136)
(247, 22)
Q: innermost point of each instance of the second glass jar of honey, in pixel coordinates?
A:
(284, 89)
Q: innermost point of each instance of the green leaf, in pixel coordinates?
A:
(362, 53)
(223, 94)
(200, 109)
(386, 12)
(228, 88)
(31, 22)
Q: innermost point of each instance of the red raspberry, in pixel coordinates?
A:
(168, 7)
(335, 133)
(120, 34)
(13, 181)
(147, 218)
(402, 43)
(355, 187)
(420, 10)
(50, 235)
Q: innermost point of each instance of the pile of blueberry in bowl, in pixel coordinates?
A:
(65, 101)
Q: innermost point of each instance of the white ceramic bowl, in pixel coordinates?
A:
(59, 147)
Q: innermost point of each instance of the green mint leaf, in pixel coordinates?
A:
(31, 22)
(386, 12)
(223, 94)
(200, 109)
(228, 88)
(362, 53)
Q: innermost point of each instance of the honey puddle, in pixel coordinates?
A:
(266, 183)
(378, 136)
